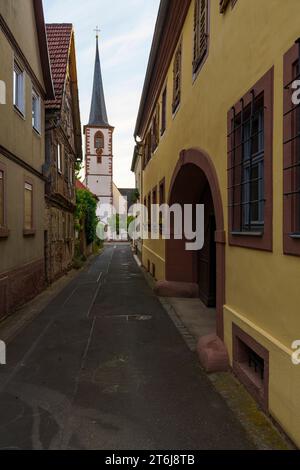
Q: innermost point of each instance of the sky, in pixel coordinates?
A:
(127, 28)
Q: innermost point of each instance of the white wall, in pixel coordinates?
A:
(104, 168)
(99, 175)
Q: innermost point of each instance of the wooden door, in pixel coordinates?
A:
(207, 256)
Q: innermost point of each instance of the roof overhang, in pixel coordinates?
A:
(170, 20)
(135, 158)
(43, 46)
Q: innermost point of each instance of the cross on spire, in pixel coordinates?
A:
(97, 31)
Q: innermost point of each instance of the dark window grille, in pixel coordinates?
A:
(257, 363)
(164, 112)
(292, 149)
(246, 190)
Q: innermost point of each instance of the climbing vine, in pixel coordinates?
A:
(86, 218)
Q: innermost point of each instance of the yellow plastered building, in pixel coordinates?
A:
(217, 126)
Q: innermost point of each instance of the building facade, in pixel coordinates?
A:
(99, 143)
(25, 71)
(218, 127)
(63, 152)
(137, 169)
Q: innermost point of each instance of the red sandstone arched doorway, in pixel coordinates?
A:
(195, 182)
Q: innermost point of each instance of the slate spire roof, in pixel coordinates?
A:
(98, 114)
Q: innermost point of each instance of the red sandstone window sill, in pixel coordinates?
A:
(29, 233)
(4, 232)
(296, 236)
(248, 234)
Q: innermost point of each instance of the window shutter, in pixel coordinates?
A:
(196, 29)
(177, 78)
(203, 28)
(200, 32)
(1, 199)
(223, 5)
(157, 123)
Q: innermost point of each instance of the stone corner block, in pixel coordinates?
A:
(176, 289)
(213, 354)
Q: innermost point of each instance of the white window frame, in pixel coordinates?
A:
(3, 197)
(36, 111)
(59, 158)
(28, 187)
(71, 179)
(19, 88)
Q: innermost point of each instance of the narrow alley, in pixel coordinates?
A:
(103, 366)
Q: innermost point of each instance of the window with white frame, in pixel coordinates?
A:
(59, 158)
(71, 174)
(36, 111)
(18, 95)
(1, 198)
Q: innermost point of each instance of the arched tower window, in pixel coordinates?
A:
(99, 140)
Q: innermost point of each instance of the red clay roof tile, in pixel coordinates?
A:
(59, 40)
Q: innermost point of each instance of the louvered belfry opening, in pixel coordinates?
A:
(200, 32)
(246, 168)
(292, 150)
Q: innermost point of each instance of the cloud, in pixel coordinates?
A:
(126, 34)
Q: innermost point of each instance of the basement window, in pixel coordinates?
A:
(251, 365)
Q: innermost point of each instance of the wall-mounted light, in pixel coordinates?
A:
(2, 92)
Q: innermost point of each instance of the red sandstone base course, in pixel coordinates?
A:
(213, 354)
(177, 289)
(21, 285)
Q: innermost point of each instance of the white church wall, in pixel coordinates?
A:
(104, 168)
(100, 185)
(120, 203)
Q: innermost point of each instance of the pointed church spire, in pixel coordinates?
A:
(98, 114)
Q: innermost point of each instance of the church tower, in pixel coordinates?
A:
(99, 142)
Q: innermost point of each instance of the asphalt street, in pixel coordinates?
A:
(104, 367)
